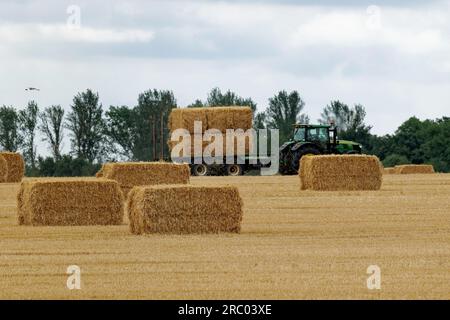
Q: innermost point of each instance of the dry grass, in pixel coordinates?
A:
(16, 166)
(414, 169)
(132, 174)
(293, 244)
(69, 202)
(184, 209)
(340, 172)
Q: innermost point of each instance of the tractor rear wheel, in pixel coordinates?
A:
(200, 170)
(307, 151)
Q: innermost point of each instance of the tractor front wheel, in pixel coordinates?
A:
(307, 151)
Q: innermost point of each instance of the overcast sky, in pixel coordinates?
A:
(391, 56)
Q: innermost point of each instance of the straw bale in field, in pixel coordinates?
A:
(223, 118)
(389, 171)
(99, 174)
(184, 209)
(340, 172)
(185, 118)
(131, 174)
(414, 169)
(220, 118)
(70, 202)
(247, 141)
(16, 166)
(3, 169)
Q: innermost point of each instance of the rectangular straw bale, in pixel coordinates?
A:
(247, 145)
(3, 169)
(340, 172)
(99, 174)
(233, 117)
(70, 202)
(414, 169)
(16, 166)
(184, 209)
(389, 170)
(131, 174)
(184, 119)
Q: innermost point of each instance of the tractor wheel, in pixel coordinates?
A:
(234, 170)
(284, 164)
(200, 170)
(307, 151)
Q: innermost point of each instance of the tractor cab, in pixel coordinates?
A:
(313, 140)
(323, 135)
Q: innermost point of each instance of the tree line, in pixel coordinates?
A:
(140, 133)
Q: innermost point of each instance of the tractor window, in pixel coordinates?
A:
(318, 134)
(299, 134)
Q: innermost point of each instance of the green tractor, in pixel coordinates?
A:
(313, 140)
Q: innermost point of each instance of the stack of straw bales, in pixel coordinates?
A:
(131, 174)
(247, 144)
(340, 172)
(70, 202)
(184, 209)
(219, 118)
(389, 170)
(414, 169)
(12, 167)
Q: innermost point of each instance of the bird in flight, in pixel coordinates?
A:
(32, 89)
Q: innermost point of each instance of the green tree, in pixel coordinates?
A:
(52, 126)
(10, 137)
(87, 126)
(197, 104)
(217, 99)
(28, 122)
(284, 111)
(66, 166)
(260, 120)
(152, 112)
(393, 160)
(336, 112)
(121, 129)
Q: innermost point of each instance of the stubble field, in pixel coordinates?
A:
(294, 245)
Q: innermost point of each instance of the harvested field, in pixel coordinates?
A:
(414, 169)
(69, 202)
(340, 172)
(184, 209)
(132, 174)
(293, 244)
(16, 166)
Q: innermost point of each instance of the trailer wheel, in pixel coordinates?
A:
(234, 170)
(200, 170)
